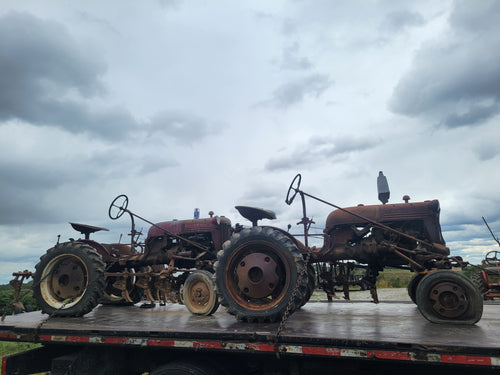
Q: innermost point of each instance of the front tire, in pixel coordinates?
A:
(445, 296)
(199, 293)
(69, 280)
(257, 275)
(412, 286)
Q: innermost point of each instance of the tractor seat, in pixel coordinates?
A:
(86, 229)
(255, 214)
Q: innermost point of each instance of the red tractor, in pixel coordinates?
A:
(173, 264)
(488, 279)
(264, 273)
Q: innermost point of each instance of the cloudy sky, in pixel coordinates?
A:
(211, 104)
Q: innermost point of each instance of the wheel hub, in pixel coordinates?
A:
(449, 299)
(68, 279)
(199, 294)
(257, 276)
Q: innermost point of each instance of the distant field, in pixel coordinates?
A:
(394, 278)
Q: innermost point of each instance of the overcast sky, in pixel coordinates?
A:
(212, 104)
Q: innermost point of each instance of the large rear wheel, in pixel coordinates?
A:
(445, 296)
(69, 279)
(479, 281)
(311, 284)
(257, 275)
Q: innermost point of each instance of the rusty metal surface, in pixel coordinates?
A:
(355, 325)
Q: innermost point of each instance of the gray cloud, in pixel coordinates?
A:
(455, 80)
(294, 92)
(48, 78)
(397, 21)
(482, 17)
(183, 126)
(487, 150)
(292, 60)
(66, 168)
(319, 150)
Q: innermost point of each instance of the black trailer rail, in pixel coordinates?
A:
(357, 330)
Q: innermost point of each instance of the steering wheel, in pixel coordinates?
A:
(289, 195)
(121, 203)
(492, 257)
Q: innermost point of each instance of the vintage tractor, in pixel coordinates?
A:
(173, 264)
(487, 279)
(263, 273)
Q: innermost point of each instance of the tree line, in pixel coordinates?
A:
(7, 298)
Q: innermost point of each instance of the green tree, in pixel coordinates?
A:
(7, 298)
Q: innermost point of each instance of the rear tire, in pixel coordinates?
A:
(311, 284)
(445, 296)
(199, 293)
(69, 280)
(479, 282)
(257, 272)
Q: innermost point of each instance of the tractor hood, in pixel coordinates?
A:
(427, 211)
(179, 227)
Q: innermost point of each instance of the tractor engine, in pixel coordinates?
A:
(348, 236)
(210, 233)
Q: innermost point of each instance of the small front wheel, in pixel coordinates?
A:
(412, 286)
(445, 296)
(199, 293)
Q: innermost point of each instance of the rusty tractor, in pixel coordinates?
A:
(173, 264)
(263, 273)
(487, 279)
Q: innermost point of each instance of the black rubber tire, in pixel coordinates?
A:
(412, 286)
(311, 284)
(478, 281)
(83, 289)
(199, 293)
(287, 263)
(445, 296)
(183, 367)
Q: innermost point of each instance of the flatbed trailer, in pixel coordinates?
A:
(320, 338)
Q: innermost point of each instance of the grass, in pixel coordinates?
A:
(394, 278)
(13, 347)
